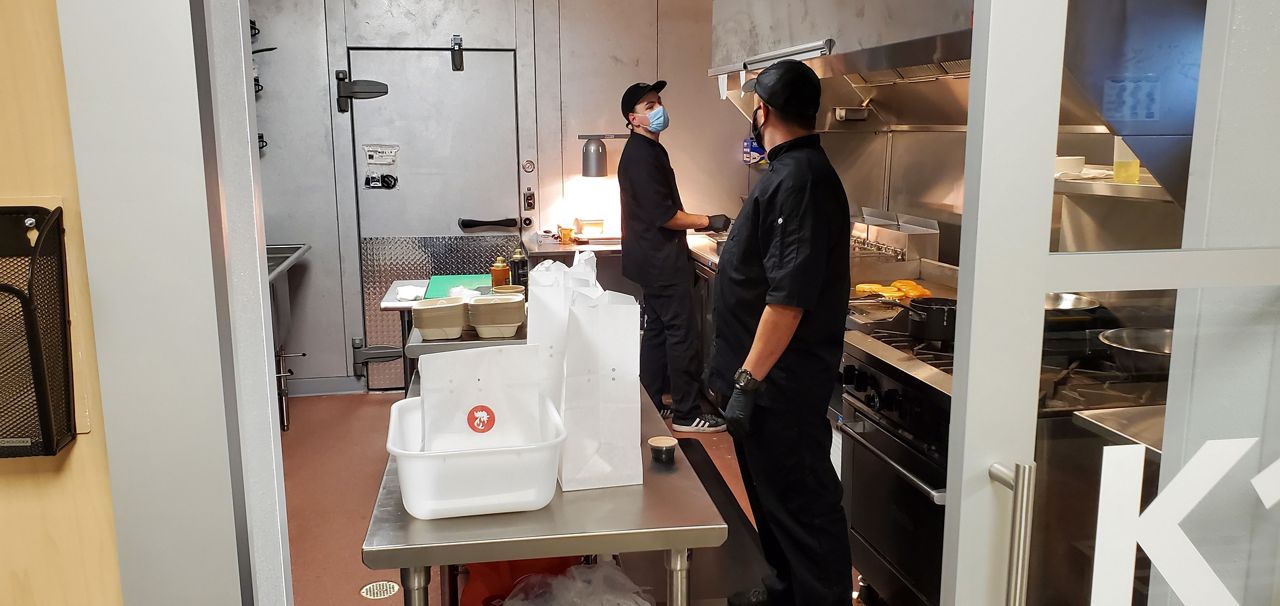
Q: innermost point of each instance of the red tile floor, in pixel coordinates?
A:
(334, 456)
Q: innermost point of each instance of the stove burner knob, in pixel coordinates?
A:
(860, 379)
(890, 399)
(873, 401)
(855, 377)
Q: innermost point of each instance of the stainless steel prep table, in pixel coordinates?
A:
(414, 346)
(405, 308)
(670, 512)
(1142, 425)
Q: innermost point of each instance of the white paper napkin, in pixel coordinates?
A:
(410, 293)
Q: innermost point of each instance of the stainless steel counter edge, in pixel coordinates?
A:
(902, 360)
(1142, 425)
(548, 248)
(703, 250)
(522, 548)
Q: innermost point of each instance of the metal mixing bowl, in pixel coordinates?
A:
(1065, 301)
(1140, 351)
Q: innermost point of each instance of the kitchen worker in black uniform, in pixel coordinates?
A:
(781, 297)
(655, 255)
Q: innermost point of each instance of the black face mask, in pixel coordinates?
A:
(755, 127)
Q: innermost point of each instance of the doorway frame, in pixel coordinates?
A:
(1006, 267)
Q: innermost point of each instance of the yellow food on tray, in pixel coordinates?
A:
(892, 293)
(917, 292)
(863, 290)
(904, 285)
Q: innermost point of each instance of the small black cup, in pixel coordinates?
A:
(663, 449)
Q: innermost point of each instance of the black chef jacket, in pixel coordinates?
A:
(652, 255)
(789, 246)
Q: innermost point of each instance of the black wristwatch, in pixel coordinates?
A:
(744, 381)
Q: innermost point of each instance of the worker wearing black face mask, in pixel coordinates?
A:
(781, 297)
(655, 255)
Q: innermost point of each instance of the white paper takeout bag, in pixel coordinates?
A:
(592, 341)
(601, 404)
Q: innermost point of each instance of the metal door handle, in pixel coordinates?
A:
(474, 223)
(939, 497)
(1022, 481)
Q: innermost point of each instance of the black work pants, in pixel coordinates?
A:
(795, 495)
(669, 349)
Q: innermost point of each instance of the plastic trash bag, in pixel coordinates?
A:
(599, 585)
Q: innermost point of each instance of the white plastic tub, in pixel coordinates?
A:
(512, 467)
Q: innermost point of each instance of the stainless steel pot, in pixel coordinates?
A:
(1140, 351)
(1065, 301)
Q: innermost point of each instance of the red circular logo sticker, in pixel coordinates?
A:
(481, 419)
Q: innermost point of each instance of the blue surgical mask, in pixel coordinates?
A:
(658, 119)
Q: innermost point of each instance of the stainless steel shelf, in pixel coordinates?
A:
(1143, 425)
(1147, 188)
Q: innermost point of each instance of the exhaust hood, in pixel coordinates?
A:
(1131, 69)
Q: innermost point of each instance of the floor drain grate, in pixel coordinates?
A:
(380, 590)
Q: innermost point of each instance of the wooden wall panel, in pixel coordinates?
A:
(58, 544)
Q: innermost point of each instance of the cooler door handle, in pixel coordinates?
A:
(474, 223)
(1022, 481)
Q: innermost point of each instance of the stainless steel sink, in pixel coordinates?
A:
(282, 256)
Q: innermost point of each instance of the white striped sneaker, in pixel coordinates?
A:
(706, 423)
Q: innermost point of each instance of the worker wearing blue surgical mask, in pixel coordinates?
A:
(655, 255)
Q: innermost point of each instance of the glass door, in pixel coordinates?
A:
(1115, 429)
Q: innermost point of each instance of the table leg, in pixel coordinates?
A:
(414, 583)
(678, 583)
(406, 325)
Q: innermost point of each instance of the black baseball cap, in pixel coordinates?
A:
(788, 86)
(636, 92)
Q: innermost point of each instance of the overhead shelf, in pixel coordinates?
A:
(1147, 188)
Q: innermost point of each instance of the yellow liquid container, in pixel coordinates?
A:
(1126, 164)
(1127, 171)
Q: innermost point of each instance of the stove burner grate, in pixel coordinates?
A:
(936, 354)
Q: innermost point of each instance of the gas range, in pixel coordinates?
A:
(902, 385)
(895, 425)
(1093, 384)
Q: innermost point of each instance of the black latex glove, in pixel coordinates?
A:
(737, 414)
(717, 223)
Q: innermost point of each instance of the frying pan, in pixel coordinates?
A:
(928, 318)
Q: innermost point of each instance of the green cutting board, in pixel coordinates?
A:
(439, 286)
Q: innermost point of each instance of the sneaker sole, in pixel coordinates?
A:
(692, 429)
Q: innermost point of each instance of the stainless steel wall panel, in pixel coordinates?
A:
(422, 23)
(926, 179)
(298, 177)
(605, 46)
(550, 187)
(344, 161)
(527, 108)
(705, 138)
(387, 259)
(859, 158)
